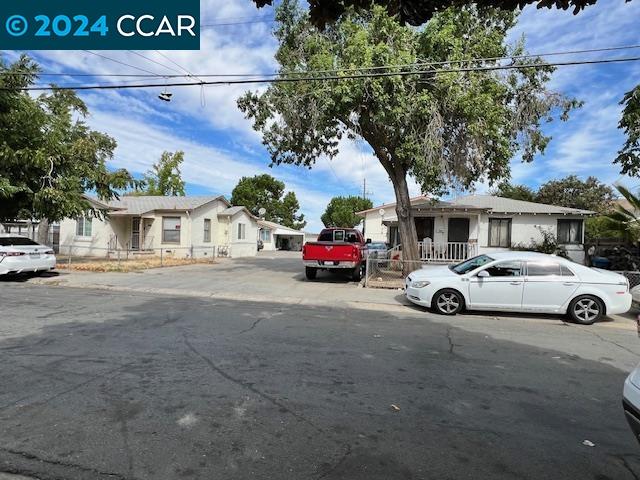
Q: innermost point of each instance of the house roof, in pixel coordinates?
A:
(487, 203)
(138, 205)
(387, 205)
(279, 229)
(232, 211)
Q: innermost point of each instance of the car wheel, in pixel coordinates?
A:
(311, 273)
(586, 309)
(447, 302)
(357, 273)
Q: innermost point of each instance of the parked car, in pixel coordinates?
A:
(337, 249)
(19, 254)
(631, 401)
(635, 296)
(378, 251)
(521, 282)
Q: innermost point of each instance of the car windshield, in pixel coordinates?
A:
(16, 241)
(471, 264)
(378, 246)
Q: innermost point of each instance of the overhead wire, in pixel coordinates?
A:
(285, 79)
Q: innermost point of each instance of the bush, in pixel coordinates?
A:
(549, 244)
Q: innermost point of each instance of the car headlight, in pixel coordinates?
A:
(420, 284)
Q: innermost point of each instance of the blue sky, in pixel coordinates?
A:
(220, 146)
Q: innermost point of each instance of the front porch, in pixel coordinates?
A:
(132, 234)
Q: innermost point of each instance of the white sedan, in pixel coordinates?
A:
(20, 254)
(520, 282)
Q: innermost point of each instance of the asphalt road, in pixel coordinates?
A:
(113, 385)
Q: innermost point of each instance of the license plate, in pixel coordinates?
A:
(34, 255)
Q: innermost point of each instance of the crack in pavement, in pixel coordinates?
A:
(340, 461)
(590, 330)
(623, 458)
(450, 340)
(32, 456)
(248, 386)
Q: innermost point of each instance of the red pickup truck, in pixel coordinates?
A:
(337, 249)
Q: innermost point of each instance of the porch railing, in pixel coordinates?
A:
(446, 252)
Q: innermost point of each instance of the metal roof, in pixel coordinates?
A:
(231, 211)
(138, 205)
(279, 229)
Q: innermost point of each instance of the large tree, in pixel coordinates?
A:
(417, 12)
(165, 177)
(516, 192)
(49, 157)
(589, 194)
(341, 211)
(264, 191)
(442, 128)
(629, 156)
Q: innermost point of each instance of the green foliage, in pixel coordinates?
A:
(443, 129)
(49, 157)
(590, 194)
(625, 220)
(341, 211)
(264, 191)
(516, 192)
(165, 178)
(548, 245)
(629, 156)
(417, 12)
(601, 226)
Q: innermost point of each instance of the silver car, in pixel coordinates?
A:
(20, 254)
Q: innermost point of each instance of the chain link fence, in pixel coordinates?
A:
(388, 273)
(632, 276)
(96, 259)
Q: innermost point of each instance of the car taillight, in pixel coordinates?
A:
(11, 254)
(354, 252)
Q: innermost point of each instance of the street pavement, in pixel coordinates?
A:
(105, 384)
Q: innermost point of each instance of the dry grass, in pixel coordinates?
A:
(124, 266)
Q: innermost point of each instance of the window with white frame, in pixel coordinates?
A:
(265, 235)
(500, 232)
(569, 231)
(207, 230)
(170, 229)
(242, 231)
(84, 226)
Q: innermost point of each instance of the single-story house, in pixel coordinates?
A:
(188, 226)
(278, 237)
(473, 224)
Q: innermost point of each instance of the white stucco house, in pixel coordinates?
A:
(473, 224)
(278, 237)
(195, 226)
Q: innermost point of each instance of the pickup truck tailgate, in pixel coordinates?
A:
(331, 252)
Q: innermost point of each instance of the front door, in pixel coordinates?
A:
(501, 290)
(458, 230)
(135, 233)
(424, 228)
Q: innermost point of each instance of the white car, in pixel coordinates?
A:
(631, 401)
(520, 282)
(20, 254)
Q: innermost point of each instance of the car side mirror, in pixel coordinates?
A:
(483, 274)
(368, 240)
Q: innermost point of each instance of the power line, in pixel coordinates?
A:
(121, 63)
(340, 77)
(153, 61)
(309, 72)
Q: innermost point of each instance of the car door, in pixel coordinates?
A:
(500, 290)
(547, 286)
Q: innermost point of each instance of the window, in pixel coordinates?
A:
(265, 235)
(500, 232)
(508, 268)
(83, 226)
(242, 231)
(471, 264)
(338, 236)
(569, 231)
(207, 230)
(566, 272)
(170, 229)
(539, 269)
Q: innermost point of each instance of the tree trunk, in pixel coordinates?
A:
(406, 224)
(43, 232)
